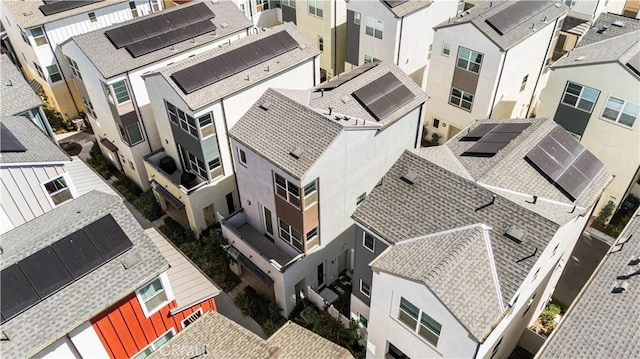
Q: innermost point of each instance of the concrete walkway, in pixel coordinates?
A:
(82, 138)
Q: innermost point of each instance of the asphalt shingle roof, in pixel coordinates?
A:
(451, 264)
(600, 323)
(28, 14)
(111, 61)
(57, 315)
(16, 96)
(408, 7)
(479, 13)
(39, 147)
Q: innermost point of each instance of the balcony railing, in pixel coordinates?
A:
(164, 165)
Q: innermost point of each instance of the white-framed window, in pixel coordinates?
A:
(74, 68)
(242, 156)
(290, 3)
(192, 318)
(155, 345)
(369, 59)
(374, 27)
(54, 73)
(365, 288)
(310, 188)
(361, 198)
(570, 3)
(356, 18)
(214, 166)
(523, 85)
(120, 91)
(152, 297)
(132, 134)
(39, 36)
(419, 322)
(316, 7)
(310, 193)
(446, 49)
(368, 241)
(134, 9)
(206, 126)
(196, 165)
(155, 5)
(312, 234)
(287, 190)
(58, 191)
(581, 97)
(89, 107)
(320, 43)
(362, 321)
(469, 60)
(39, 70)
(188, 124)
(461, 99)
(262, 5)
(92, 17)
(436, 123)
(621, 111)
(290, 235)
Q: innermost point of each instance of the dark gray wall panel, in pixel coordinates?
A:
(289, 13)
(572, 119)
(361, 269)
(187, 141)
(353, 39)
(466, 81)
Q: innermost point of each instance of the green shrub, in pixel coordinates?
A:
(260, 308)
(147, 205)
(548, 315)
(605, 213)
(101, 164)
(127, 188)
(176, 232)
(56, 120)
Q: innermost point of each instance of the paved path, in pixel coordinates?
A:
(82, 138)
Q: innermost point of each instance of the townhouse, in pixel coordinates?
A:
(108, 65)
(627, 8)
(400, 32)
(85, 281)
(304, 160)
(581, 15)
(195, 101)
(490, 62)
(612, 294)
(37, 28)
(18, 98)
(460, 247)
(594, 93)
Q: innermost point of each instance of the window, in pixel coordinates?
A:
(496, 347)
(155, 6)
(369, 59)
(356, 18)
(54, 73)
(290, 235)
(134, 9)
(310, 189)
(362, 320)
(107, 91)
(262, 5)
(242, 157)
(134, 134)
(580, 97)
(74, 68)
(206, 126)
(155, 345)
(39, 70)
(92, 17)
(436, 123)
(39, 36)
(58, 191)
(524, 82)
(120, 91)
(461, 99)
(287, 190)
(152, 296)
(368, 242)
(361, 198)
(446, 48)
(365, 288)
(192, 318)
(188, 123)
(315, 7)
(89, 107)
(196, 165)
(213, 167)
(291, 3)
(426, 326)
(621, 111)
(312, 234)
(25, 38)
(374, 27)
(570, 3)
(320, 43)
(469, 60)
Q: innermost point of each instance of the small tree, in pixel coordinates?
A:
(605, 213)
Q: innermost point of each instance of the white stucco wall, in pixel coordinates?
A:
(383, 49)
(87, 343)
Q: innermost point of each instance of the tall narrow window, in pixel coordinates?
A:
(523, 85)
(320, 43)
(134, 9)
(120, 91)
(89, 107)
(206, 126)
(74, 68)
(446, 48)
(39, 36)
(39, 70)
(54, 73)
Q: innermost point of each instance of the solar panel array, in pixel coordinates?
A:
(56, 6)
(232, 62)
(394, 3)
(344, 77)
(383, 96)
(492, 137)
(565, 162)
(52, 268)
(9, 142)
(515, 14)
(634, 64)
(165, 29)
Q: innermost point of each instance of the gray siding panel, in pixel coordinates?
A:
(289, 14)
(187, 141)
(361, 269)
(210, 148)
(353, 39)
(572, 119)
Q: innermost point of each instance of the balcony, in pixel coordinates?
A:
(163, 169)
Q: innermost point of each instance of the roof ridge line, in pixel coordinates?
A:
(494, 270)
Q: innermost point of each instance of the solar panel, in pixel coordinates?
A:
(588, 164)
(573, 182)
(394, 3)
(381, 107)
(17, 294)
(154, 43)
(484, 149)
(511, 127)
(634, 64)
(9, 142)
(230, 63)
(492, 137)
(78, 254)
(500, 137)
(545, 163)
(478, 132)
(568, 142)
(55, 7)
(383, 96)
(107, 236)
(45, 272)
(515, 14)
(368, 94)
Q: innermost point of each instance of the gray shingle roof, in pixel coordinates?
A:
(111, 61)
(57, 315)
(295, 342)
(16, 96)
(607, 19)
(28, 14)
(439, 200)
(237, 82)
(407, 7)
(39, 147)
(456, 266)
(479, 13)
(600, 323)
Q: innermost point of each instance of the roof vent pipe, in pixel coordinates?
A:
(330, 110)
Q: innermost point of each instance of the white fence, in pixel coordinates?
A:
(319, 302)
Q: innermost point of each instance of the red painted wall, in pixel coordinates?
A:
(124, 330)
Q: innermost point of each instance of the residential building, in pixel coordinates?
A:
(490, 62)
(400, 32)
(108, 65)
(304, 160)
(466, 241)
(36, 175)
(582, 14)
(36, 29)
(215, 336)
(628, 8)
(602, 321)
(18, 98)
(263, 13)
(85, 281)
(196, 100)
(594, 93)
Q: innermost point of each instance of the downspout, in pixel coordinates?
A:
(495, 94)
(475, 352)
(400, 41)
(335, 38)
(61, 72)
(549, 49)
(233, 166)
(137, 110)
(251, 13)
(418, 140)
